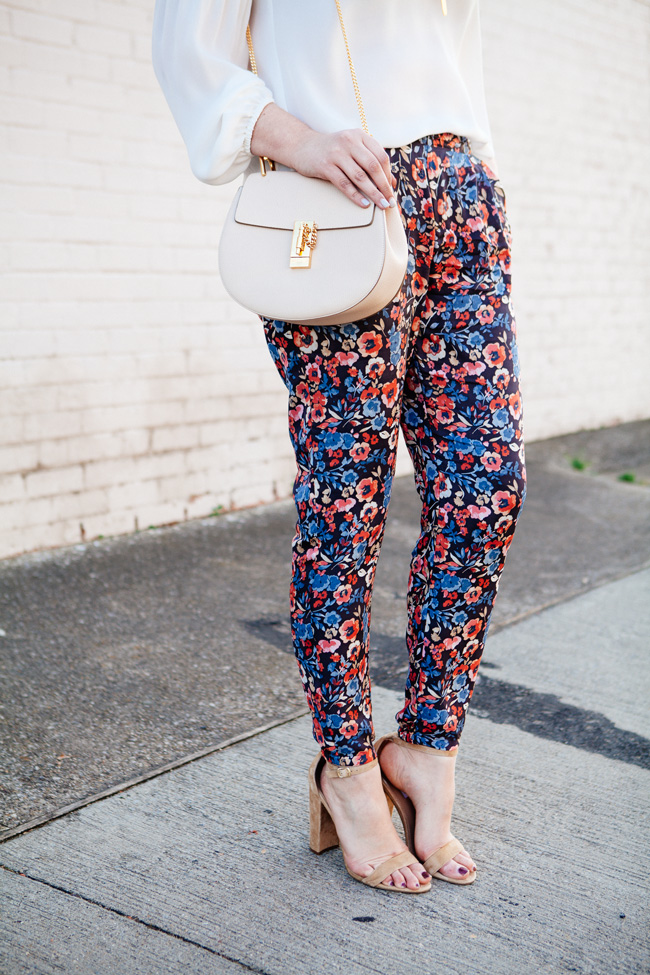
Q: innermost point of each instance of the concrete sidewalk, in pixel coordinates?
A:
(206, 868)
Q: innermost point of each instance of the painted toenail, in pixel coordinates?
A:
(403, 885)
(462, 870)
(427, 876)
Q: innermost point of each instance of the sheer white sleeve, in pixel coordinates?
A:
(200, 58)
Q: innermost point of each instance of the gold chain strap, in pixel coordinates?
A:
(355, 83)
(251, 52)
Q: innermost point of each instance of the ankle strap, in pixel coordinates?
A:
(345, 771)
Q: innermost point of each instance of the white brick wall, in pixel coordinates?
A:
(134, 392)
(567, 86)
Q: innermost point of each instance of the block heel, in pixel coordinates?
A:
(322, 831)
(323, 835)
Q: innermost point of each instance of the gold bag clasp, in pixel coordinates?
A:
(305, 233)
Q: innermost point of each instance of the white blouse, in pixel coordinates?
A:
(419, 72)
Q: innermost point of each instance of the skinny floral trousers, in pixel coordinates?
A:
(441, 361)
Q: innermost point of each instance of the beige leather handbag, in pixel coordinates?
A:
(296, 249)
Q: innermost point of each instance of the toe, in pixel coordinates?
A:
(408, 877)
(458, 868)
(454, 870)
(465, 860)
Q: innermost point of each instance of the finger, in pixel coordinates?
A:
(369, 179)
(376, 164)
(337, 176)
(380, 154)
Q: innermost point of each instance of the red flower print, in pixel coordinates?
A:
(441, 486)
(349, 729)
(389, 393)
(491, 462)
(434, 347)
(348, 630)
(418, 171)
(346, 358)
(497, 403)
(494, 354)
(344, 504)
(313, 372)
(451, 723)
(485, 314)
(367, 488)
(503, 501)
(445, 208)
(476, 224)
(450, 644)
(360, 451)
(343, 594)
(305, 339)
(375, 369)
(370, 343)
(328, 646)
(472, 629)
(444, 409)
(441, 547)
(369, 511)
(418, 284)
(451, 271)
(514, 402)
(479, 513)
(449, 239)
(369, 393)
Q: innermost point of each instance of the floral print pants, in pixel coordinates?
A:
(441, 361)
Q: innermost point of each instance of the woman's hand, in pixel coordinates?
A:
(351, 160)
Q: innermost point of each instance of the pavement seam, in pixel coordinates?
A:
(132, 917)
(147, 776)
(527, 613)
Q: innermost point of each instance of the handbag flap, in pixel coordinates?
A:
(280, 198)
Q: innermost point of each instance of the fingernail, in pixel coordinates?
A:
(393, 202)
(364, 202)
(462, 870)
(384, 204)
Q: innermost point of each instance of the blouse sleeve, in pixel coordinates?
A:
(200, 58)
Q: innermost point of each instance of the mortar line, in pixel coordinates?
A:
(147, 776)
(131, 917)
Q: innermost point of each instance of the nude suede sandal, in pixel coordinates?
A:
(406, 812)
(323, 835)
